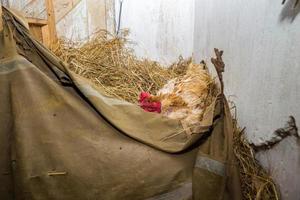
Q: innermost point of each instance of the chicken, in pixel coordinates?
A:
(185, 98)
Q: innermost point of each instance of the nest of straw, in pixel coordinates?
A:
(109, 63)
(256, 181)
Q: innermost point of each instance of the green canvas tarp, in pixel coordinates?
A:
(62, 138)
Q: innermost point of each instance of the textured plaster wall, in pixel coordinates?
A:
(162, 29)
(261, 41)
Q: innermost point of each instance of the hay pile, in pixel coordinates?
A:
(110, 64)
(256, 181)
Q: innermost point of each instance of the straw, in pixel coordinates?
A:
(256, 182)
(109, 63)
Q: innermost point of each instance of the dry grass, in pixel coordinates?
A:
(256, 182)
(110, 64)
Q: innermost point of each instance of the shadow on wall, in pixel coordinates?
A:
(290, 10)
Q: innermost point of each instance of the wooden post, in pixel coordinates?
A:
(1, 23)
(51, 22)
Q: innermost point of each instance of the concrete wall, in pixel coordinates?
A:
(162, 29)
(261, 40)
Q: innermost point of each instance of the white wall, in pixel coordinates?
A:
(262, 54)
(162, 29)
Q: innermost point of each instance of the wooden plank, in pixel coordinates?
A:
(1, 23)
(36, 31)
(63, 8)
(45, 36)
(37, 21)
(110, 16)
(96, 15)
(51, 22)
(30, 8)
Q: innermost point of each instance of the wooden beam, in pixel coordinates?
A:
(64, 8)
(40, 22)
(45, 36)
(51, 22)
(1, 23)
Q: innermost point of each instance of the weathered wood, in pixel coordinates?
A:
(44, 30)
(51, 22)
(37, 21)
(1, 23)
(36, 31)
(110, 16)
(96, 17)
(63, 8)
(45, 35)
